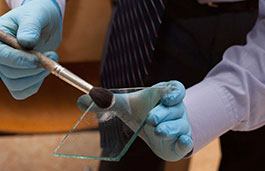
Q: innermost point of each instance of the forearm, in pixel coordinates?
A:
(15, 3)
(232, 96)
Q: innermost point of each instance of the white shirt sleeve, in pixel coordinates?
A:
(13, 3)
(16, 3)
(232, 96)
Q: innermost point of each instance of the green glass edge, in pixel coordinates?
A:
(66, 136)
(125, 149)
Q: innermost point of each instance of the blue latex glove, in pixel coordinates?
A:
(167, 131)
(37, 25)
(169, 121)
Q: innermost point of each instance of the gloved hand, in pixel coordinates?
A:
(167, 131)
(37, 25)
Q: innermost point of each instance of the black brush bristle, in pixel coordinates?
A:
(103, 98)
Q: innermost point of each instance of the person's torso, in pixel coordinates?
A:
(193, 38)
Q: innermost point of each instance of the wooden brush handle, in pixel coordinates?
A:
(45, 62)
(102, 97)
(49, 65)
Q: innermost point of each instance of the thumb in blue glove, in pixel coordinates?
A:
(168, 126)
(167, 131)
(37, 24)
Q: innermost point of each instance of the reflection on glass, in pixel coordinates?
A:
(104, 140)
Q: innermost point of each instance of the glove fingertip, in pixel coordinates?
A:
(19, 97)
(185, 143)
(81, 106)
(183, 146)
(24, 94)
(83, 102)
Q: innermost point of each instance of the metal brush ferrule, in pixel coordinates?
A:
(71, 78)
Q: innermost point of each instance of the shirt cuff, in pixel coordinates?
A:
(209, 112)
(16, 3)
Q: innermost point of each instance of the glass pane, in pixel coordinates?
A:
(106, 140)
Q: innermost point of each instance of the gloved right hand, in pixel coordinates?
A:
(37, 25)
(167, 132)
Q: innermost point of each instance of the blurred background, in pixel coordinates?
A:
(31, 129)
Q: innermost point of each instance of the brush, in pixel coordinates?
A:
(103, 98)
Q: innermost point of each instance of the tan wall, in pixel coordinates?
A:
(85, 28)
(3, 7)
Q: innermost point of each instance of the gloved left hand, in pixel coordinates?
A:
(37, 24)
(167, 131)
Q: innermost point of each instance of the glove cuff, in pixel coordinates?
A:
(60, 4)
(14, 3)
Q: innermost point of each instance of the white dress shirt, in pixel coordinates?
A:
(232, 96)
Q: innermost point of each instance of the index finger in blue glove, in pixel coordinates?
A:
(175, 94)
(162, 113)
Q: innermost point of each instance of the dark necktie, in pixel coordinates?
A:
(128, 54)
(131, 42)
